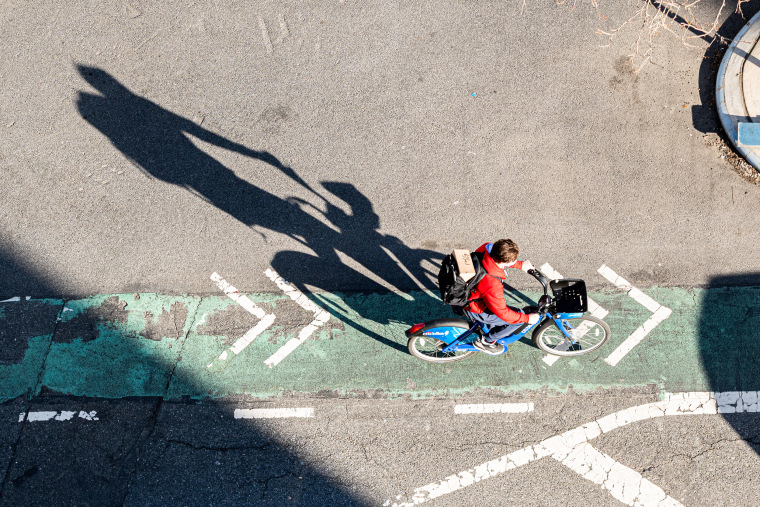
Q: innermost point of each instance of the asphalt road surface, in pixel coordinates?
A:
(322, 157)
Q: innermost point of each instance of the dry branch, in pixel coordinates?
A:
(678, 18)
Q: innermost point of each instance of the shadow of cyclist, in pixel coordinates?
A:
(382, 254)
(156, 141)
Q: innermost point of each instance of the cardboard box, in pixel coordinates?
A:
(463, 259)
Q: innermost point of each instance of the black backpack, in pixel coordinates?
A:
(454, 290)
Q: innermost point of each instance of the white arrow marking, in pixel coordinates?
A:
(11, 300)
(572, 450)
(240, 299)
(250, 306)
(595, 309)
(320, 317)
(659, 313)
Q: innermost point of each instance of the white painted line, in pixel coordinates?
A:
(320, 318)
(659, 313)
(572, 450)
(11, 300)
(623, 483)
(431, 270)
(246, 302)
(623, 284)
(637, 336)
(272, 413)
(88, 416)
(494, 408)
(293, 293)
(468, 477)
(293, 343)
(245, 340)
(594, 308)
(63, 415)
(240, 299)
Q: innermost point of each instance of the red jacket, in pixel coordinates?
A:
(491, 292)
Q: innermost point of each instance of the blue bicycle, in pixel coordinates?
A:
(562, 328)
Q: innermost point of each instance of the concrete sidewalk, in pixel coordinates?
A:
(738, 92)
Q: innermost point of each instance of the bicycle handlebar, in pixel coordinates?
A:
(544, 301)
(540, 277)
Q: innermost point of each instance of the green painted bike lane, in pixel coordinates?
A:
(128, 345)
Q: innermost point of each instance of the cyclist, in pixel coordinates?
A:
(487, 303)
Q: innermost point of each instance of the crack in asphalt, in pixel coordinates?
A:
(221, 448)
(6, 475)
(713, 446)
(150, 426)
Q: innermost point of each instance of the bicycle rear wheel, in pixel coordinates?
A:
(429, 349)
(588, 334)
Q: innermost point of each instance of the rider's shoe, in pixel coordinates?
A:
(492, 348)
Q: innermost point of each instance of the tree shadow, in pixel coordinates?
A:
(142, 450)
(156, 141)
(728, 342)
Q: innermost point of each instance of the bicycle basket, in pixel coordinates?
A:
(569, 295)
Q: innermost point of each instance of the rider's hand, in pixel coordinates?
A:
(527, 266)
(533, 318)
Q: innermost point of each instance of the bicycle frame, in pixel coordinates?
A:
(457, 340)
(462, 344)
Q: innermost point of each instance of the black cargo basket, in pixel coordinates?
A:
(569, 295)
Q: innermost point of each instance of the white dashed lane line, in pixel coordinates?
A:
(494, 408)
(63, 415)
(272, 413)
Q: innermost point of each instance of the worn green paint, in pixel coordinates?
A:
(17, 379)
(362, 349)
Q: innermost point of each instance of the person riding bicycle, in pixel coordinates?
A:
(487, 303)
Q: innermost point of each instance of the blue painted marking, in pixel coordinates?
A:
(749, 134)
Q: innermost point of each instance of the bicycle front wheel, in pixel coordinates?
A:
(429, 349)
(588, 334)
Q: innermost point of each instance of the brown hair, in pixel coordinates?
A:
(505, 250)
